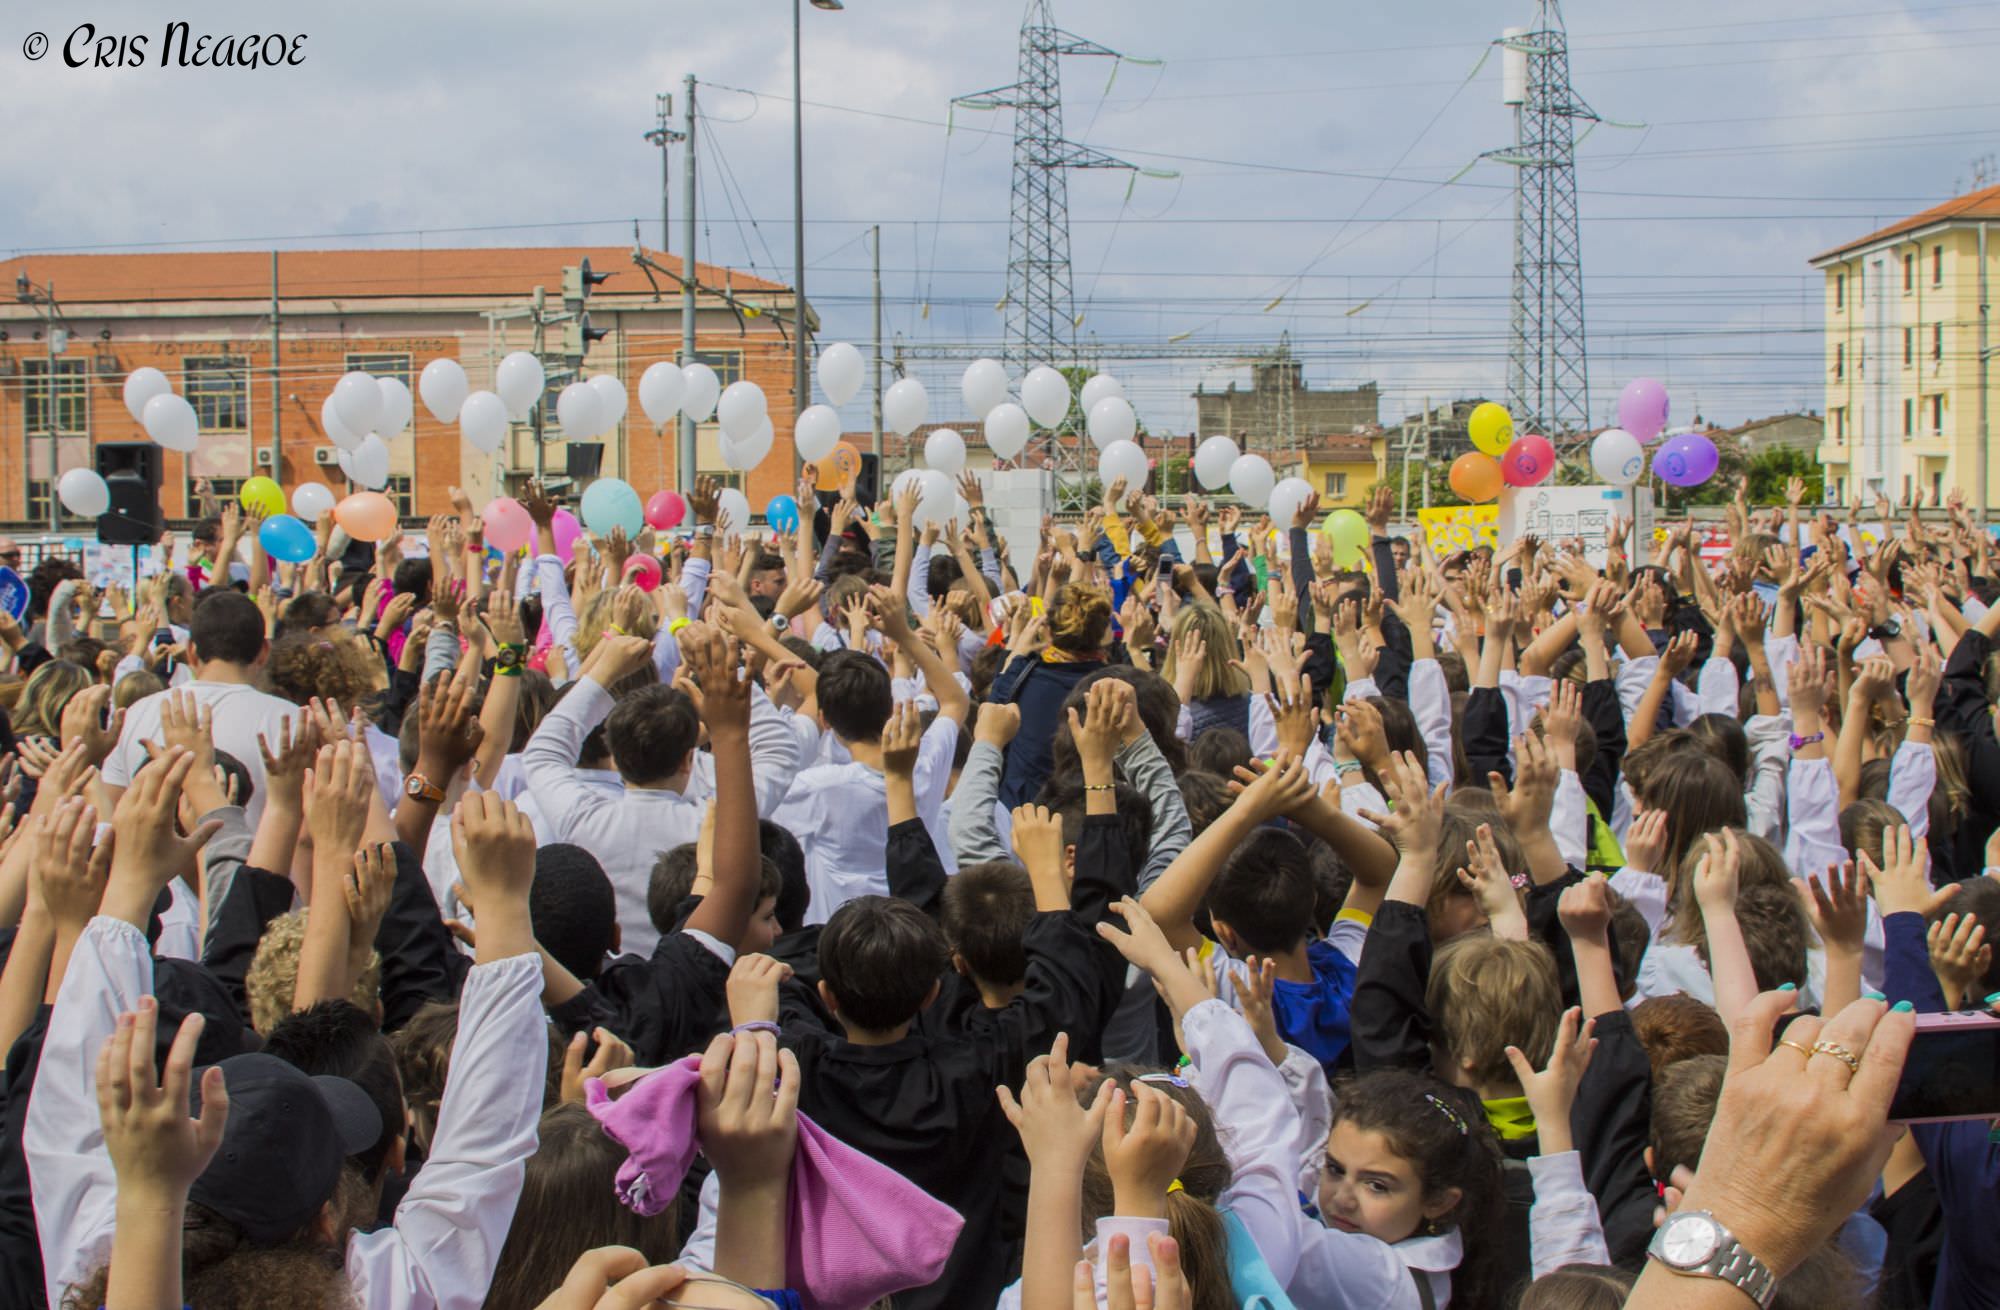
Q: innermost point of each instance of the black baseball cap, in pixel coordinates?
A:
(281, 1153)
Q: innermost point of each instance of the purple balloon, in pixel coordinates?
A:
(1642, 408)
(1687, 460)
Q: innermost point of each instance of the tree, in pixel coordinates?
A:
(1770, 469)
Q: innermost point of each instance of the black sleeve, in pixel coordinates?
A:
(420, 960)
(1611, 1121)
(1075, 980)
(1484, 731)
(1383, 548)
(1392, 665)
(1545, 926)
(1318, 664)
(31, 657)
(1962, 709)
(1606, 716)
(1300, 545)
(1104, 870)
(1392, 1030)
(916, 874)
(255, 897)
(663, 1006)
(398, 696)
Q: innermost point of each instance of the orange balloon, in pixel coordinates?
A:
(838, 468)
(1476, 477)
(367, 516)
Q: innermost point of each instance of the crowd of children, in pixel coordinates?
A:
(1166, 915)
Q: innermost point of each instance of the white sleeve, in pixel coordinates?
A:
(1912, 777)
(1569, 820)
(1633, 677)
(445, 1243)
(1306, 1081)
(1362, 796)
(1563, 1224)
(918, 592)
(1812, 804)
(1361, 689)
(549, 758)
(1972, 608)
(1770, 748)
(694, 582)
(1646, 892)
(1263, 729)
(1718, 687)
(1184, 724)
(774, 753)
(1782, 653)
(556, 606)
(1430, 703)
(71, 1181)
(1257, 1126)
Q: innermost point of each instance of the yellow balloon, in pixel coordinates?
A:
(261, 495)
(1348, 535)
(1491, 428)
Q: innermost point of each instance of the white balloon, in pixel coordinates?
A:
(699, 390)
(336, 431)
(732, 512)
(1006, 430)
(578, 412)
(310, 500)
(397, 408)
(171, 421)
(1286, 497)
(443, 386)
(1212, 461)
(741, 408)
(83, 493)
(345, 459)
(1617, 457)
(370, 462)
(1112, 419)
(660, 388)
(1045, 395)
(1098, 388)
(816, 432)
(904, 481)
(840, 369)
(482, 421)
(358, 401)
(611, 400)
(904, 406)
(934, 504)
(141, 385)
(1250, 477)
(984, 385)
(1122, 459)
(749, 452)
(944, 450)
(518, 382)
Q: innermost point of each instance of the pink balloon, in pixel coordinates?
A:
(665, 510)
(643, 572)
(1642, 408)
(1529, 460)
(566, 530)
(508, 527)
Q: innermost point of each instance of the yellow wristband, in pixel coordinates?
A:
(675, 626)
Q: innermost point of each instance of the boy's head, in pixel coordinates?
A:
(1684, 1097)
(1064, 796)
(1219, 751)
(671, 883)
(1487, 993)
(652, 734)
(985, 917)
(1262, 901)
(1776, 934)
(227, 628)
(1205, 796)
(274, 973)
(782, 849)
(1862, 824)
(336, 1038)
(574, 908)
(879, 961)
(1678, 1027)
(855, 698)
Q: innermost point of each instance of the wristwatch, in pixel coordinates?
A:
(1695, 1242)
(780, 624)
(1887, 630)
(1799, 742)
(420, 788)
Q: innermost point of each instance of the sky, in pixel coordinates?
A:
(1318, 157)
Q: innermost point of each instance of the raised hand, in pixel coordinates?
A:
(1584, 909)
(148, 851)
(1552, 1091)
(1526, 806)
(1254, 989)
(1646, 842)
(752, 989)
(156, 1150)
(1484, 874)
(1418, 819)
(84, 720)
(902, 739)
(747, 1132)
(1057, 1131)
(337, 792)
(1902, 881)
(611, 1053)
(1099, 730)
(1146, 1155)
(1837, 905)
(69, 865)
(711, 677)
(1960, 956)
(997, 724)
(1715, 875)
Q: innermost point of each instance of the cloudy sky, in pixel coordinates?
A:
(1316, 149)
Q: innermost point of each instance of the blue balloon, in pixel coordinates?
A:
(782, 514)
(611, 503)
(286, 538)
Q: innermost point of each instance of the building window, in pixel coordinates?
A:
(1937, 266)
(1937, 413)
(72, 395)
(224, 489)
(1909, 277)
(1840, 291)
(1336, 484)
(402, 491)
(1839, 360)
(1937, 342)
(1839, 416)
(728, 364)
(1937, 486)
(218, 386)
(1909, 346)
(1906, 486)
(1909, 416)
(381, 366)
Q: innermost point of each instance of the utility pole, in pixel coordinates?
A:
(875, 378)
(277, 446)
(1429, 413)
(690, 275)
(541, 299)
(1985, 369)
(801, 386)
(664, 136)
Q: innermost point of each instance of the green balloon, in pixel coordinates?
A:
(1347, 533)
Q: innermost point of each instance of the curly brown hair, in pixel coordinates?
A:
(303, 665)
(1079, 618)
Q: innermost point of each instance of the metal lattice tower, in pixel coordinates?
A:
(1548, 376)
(1040, 313)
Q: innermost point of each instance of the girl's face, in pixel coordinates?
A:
(1365, 1187)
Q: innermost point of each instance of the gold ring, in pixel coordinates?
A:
(1840, 1053)
(1802, 1050)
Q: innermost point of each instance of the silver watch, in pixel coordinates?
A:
(1695, 1242)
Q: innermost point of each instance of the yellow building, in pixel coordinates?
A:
(1342, 469)
(1908, 365)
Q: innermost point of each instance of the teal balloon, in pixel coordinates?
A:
(611, 503)
(286, 538)
(782, 514)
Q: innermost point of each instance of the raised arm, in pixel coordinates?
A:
(722, 696)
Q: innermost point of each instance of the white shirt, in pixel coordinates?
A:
(241, 713)
(840, 814)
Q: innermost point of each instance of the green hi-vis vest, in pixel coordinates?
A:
(1604, 854)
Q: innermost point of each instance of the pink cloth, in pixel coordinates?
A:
(856, 1230)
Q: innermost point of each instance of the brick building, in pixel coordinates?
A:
(1278, 410)
(206, 321)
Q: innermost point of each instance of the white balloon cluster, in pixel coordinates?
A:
(167, 418)
(363, 414)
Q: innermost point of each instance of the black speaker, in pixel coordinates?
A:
(868, 483)
(585, 459)
(131, 469)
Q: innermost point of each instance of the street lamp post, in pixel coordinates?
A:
(801, 382)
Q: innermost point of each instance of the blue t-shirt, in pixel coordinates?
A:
(1313, 1016)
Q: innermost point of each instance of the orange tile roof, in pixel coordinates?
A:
(1978, 204)
(481, 272)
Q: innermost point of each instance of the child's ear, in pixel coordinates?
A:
(617, 939)
(1446, 1202)
(1226, 935)
(929, 997)
(833, 1006)
(1069, 862)
(960, 967)
(1651, 1172)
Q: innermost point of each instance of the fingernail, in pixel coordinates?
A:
(1994, 999)
(1788, 987)
(1875, 996)
(1903, 1007)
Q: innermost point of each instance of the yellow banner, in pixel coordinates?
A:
(1453, 528)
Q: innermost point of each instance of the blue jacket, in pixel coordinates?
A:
(1039, 688)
